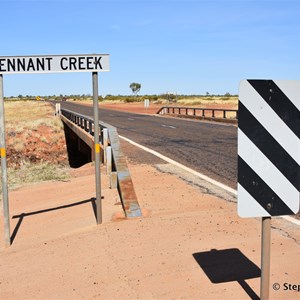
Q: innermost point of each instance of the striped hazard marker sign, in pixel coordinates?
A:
(268, 148)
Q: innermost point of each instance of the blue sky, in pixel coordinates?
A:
(184, 46)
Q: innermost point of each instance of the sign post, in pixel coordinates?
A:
(265, 258)
(7, 240)
(268, 157)
(92, 63)
(97, 148)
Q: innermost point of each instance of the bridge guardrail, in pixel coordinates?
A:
(113, 157)
(218, 114)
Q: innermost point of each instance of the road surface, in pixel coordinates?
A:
(208, 148)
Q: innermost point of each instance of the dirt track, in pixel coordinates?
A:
(188, 245)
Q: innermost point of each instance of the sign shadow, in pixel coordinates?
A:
(28, 214)
(228, 265)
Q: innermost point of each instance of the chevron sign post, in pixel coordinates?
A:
(268, 157)
(268, 148)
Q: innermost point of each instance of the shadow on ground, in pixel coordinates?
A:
(46, 210)
(228, 265)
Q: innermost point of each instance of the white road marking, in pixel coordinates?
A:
(168, 126)
(200, 175)
(175, 163)
(130, 119)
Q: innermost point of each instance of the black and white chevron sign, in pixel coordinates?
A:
(268, 148)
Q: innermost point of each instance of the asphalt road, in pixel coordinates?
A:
(208, 148)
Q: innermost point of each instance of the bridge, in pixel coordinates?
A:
(206, 147)
(79, 129)
(80, 132)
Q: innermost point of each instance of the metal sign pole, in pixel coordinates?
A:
(97, 148)
(265, 258)
(7, 240)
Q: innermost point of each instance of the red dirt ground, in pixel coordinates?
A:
(38, 146)
(188, 245)
(154, 108)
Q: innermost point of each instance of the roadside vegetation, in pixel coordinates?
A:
(208, 100)
(135, 87)
(35, 142)
(163, 99)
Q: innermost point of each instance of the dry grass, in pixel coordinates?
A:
(57, 125)
(118, 101)
(25, 111)
(204, 101)
(27, 116)
(44, 139)
(24, 122)
(19, 144)
(32, 173)
(184, 101)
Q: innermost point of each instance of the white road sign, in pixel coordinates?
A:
(269, 148)
(54, 63)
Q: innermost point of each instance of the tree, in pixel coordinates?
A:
(135, 87)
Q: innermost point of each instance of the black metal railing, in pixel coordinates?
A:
(200, 112)
(109, 138)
